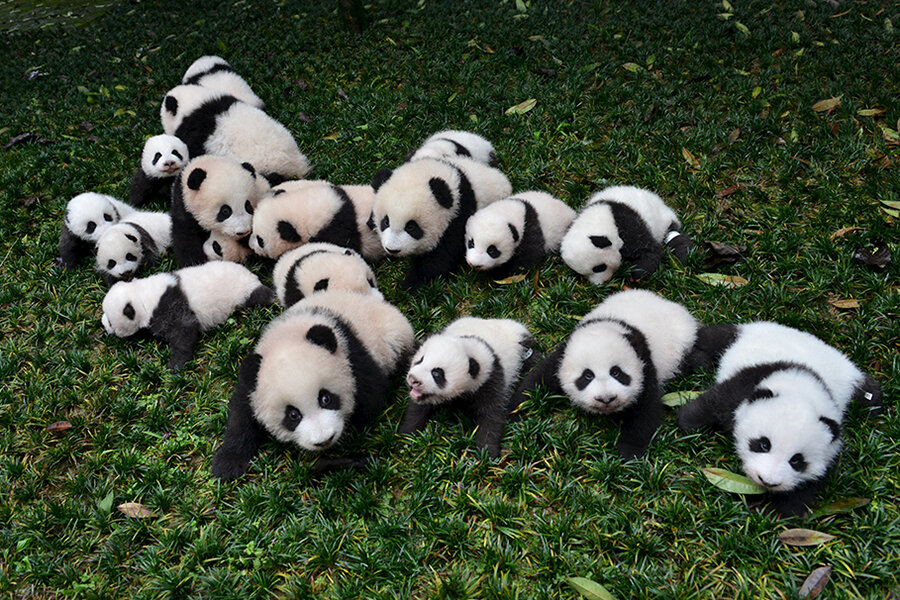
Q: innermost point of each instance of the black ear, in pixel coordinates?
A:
(128, 311)
(249, 167)
(195, 178)
(321, 335)
(474, 368)
(601, 241)
(761, 394)
(833, 426)
(380, 176)
(288, 233)
(441, 191)
(171, 104)
(243, 434)
(514, 232)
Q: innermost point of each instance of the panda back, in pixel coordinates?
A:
(649, 206)
(215, 289)
(488, 183)
(554, 215)
(509, 339)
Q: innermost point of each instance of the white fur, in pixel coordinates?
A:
(406, 197)
(100, 209)
(142, 294)
(598, 346)
(243, 132)
(163, 156)
(119, 250)
(226, 183)
(440, 145)
(225, 81)
(219, 246)
(342, 268)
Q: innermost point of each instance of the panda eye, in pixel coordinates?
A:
(107, 218)
(321, 285)
(493, 252)
(414, 231)
(128, 311)
(130, 257)
(261, 242)
(586, 377)
(328, 400)
(111, 265)
(156, 158)
(178, 154)
(419, 362)
(798, 462)
(470, 243)
(760, 445)
(620, 375)
(90, 227)
(385, 223)
(292, 417)
(439, 378)
(217, 248)
(248, 207)
(224, 213)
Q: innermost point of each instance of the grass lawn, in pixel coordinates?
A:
(714, 105)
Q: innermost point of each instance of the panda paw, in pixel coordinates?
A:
(227, 465)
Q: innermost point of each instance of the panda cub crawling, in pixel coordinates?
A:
(473, 364)
(781, 394)
(321, 366)
(162, 159)
(321, 266)
(452, 143)
(616, 361)
(421, 209)
(132, 244)
(215, 72)
(514, 234)
(88, 215)
(622, 224)
(179, 306)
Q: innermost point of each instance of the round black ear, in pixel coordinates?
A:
(196, 178)
(380, 176)
(320, 335)
(249, 167)
(474, 368)
(171, 104)
(514, 232)
(441, 191)
(601, 241)
(833, 426)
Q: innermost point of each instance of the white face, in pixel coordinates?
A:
(88, 215)
(121, 315)
(600, 372)
(592, 246)
(163, 156)
(441, 370)
(119, 252)
(782, 439)
(221, 194)
(491, 240)
(336, 271)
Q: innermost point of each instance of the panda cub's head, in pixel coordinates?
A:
(181, 101)
(414, 205)
(320, 266)
(121, 252)
(788, 432)
(129, 305)
(493, 233)
(291, 214)
(447, 366)
(600, 371)
(163, 156)
(592, 246)
(221, 193)
(89, 214)
(222, 247)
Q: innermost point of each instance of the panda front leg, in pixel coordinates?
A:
(182, 341)
(416, 417)
(71, 248)
(490, 422)
(243, 434)
(439, 262)
(797, 502)
(639, 424)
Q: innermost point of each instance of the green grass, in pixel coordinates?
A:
(429, 518)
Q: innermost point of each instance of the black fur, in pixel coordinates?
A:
(216, 68)
(711, 343)
(292, 293)
(197, 126)
(145, 188)
(243, 434)
(72, 248)
(680, 245)
(868, 395)
(639, 248)
(188, 236)
(341, 229)
(529, 252)
(174, 321)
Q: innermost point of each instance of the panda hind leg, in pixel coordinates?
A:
(261, 296)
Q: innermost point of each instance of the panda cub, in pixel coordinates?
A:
(453, 143)
(473, 364)
(781, 394)
(622, 223)
(212, 122)
(219, 246)
(616, 361)
(161, 160)
(321, 266)
(133, 243)
(321, 366)
(215, 72)
(514, 234)
(88, 215)
(299, 212)
(421, 209)
(212, 194)
(179, 306)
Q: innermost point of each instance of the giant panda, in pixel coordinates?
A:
(320, 266)
(514, 234)
(180, 305)
(212, 122)
(616, 360)
(622, 223)
(219, 246)
(162, 158)
(781, 394)
(87, 216)
(421, 210)
(321, 366)
(452, 143)
(132, 244)
(472, 364)
(215, 72)
(212, 193)
(298, 212)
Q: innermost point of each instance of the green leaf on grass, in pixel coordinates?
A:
(589, 589)
(892, 203)
(522, 107)
(633, 67)
(844, 505)
(732, 482)
(742, 28)
(870, 112)
(510, 279)
(676, 399)
(730, 281)
(804, 537)
(105, 505)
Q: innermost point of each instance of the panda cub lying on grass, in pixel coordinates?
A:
(125, 249)
(88, 215)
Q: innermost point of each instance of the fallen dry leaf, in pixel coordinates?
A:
(689, 158)
(721, 254)
(815, 583)
(58, 427)
(844, 505)
(844, 304)
(729, 191)
(522, 107)
(844, 231)
(804, 537)
(729, 281)
(511, 279)
(826, 105)
(135, 510)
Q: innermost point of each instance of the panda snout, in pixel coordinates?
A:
(606, 400)
(326, 443)
(393, 250)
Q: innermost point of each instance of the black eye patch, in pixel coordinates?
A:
(470, 243)
(110, 265)
(131, 237)
(620, 375)
(156, 158)
(108, 218)
(798, 462)
(414, 231)
(599, 268)
(493, 252)
(224, 212)
(248, 207)
(288, 233)
(128, 311)
(178, 154)
(760, 445)
(600, 241)
(329, 400)
(439, 378)
(261, 242)
(385, 222)
(586, 377)
(292, 418)
(321, 285)
(514, 232)
(90, 227)
(761, 394)
(474, 368)
(217, 248)
(130, 257)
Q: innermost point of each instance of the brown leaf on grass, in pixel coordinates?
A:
(689, 158)
(804, 537)
(729, 281)
(844, 304)
(718, 253)
(58, 427)
(733, 136)
(729, 191)
(135, 510)
(844, 505)
(843, 231)
(815, 583)
(877, 256)
(510, 279)
(826, 105)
